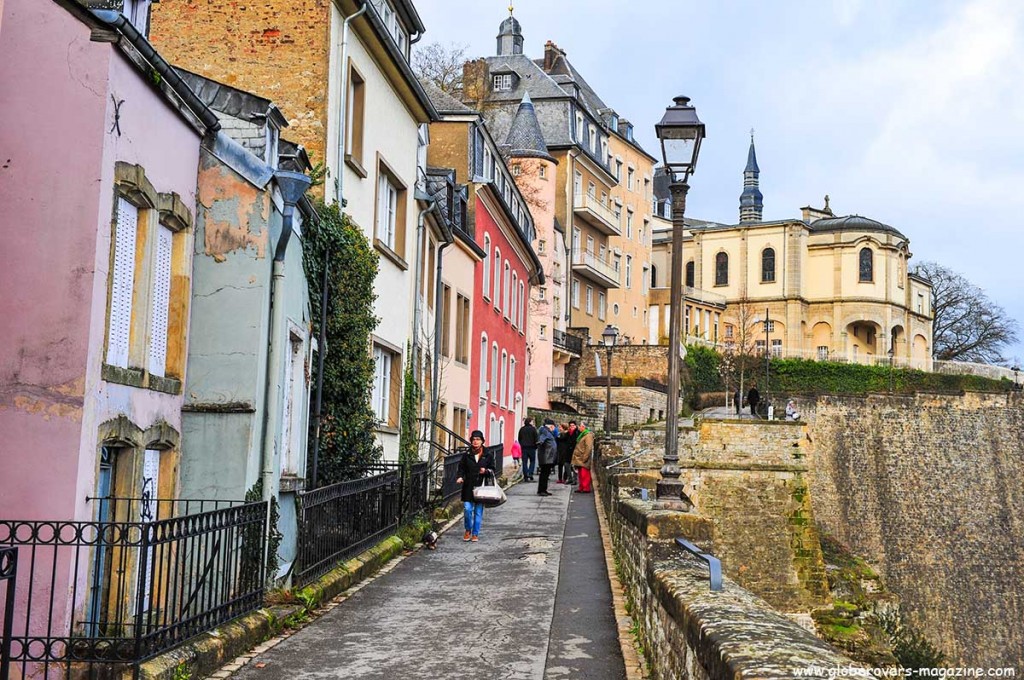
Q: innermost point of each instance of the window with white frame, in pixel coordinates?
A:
(593, 141)
(160, 300)
(387, 211)
(514, 316)
(487, 267)
(645, 279)
(511, 382)
(393, 24)
(494, 373)
(122, 284)
(502, 82)
(483, 365)
(575, 294)
(777, 348)
(503, 376)
(488, 164)
(506, 291)
(822, 352)
(577, 183)
(579, 127)
(383, 360)
(137, 12)
(600, 306)
(630, 173)
(522, 306)
(590, 299)
(497, 278)
(543, 331)
(629, 223)
(629, 271)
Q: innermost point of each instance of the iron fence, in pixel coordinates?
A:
(414, 488)
(118, 592)
(8, 577)
(450, 488)
(341, 520)
(497, 451)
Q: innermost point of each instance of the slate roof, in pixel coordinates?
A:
(444, 102)
(751, 159)
(229, 100)
(531, 79)
(852, 223)
(563, 71)
(525, 138)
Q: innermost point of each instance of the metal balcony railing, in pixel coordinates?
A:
(586, 262)
(597, 214)
(568, 343)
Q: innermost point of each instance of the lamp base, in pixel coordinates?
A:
(671, 496)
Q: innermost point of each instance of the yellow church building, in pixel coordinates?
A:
(833, 287)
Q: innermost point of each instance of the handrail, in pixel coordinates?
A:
(714, 564)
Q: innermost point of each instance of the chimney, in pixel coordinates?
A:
(551, 52)
(476, 81)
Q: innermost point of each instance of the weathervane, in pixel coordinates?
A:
(511, 8)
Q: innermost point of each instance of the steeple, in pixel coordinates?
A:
(525, 138)
(510, 35)
(751, 200)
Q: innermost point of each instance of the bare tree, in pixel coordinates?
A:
(441, 65)
(968, 326)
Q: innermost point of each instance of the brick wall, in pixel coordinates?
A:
(277, 50)
(928, 488)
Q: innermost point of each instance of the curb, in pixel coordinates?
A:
(636, 667)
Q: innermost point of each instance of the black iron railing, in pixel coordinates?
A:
(568, 343)
(449, 487)
(415, 485)
(120, 592)
(497, 451)
(341, 520)
(8, 577)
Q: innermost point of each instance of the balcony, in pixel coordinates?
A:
(586, 264)
(570, 344)
(599, 216)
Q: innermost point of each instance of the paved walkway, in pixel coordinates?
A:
(531, 600)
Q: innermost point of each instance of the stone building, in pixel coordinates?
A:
(342, 70)
(833, 287)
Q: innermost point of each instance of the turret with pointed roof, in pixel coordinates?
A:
(525, 139)
(751, 200)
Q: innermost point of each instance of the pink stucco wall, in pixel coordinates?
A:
(56, 186)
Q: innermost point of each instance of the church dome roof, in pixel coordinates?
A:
(510, 26)
(853, 223)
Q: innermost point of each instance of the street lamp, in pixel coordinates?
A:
(680, 133)
(767, 367)
(609, 336)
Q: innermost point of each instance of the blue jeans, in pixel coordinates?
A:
(473, 516)
(529, 461)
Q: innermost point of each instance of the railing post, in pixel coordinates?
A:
(140, 601)
(8, 573)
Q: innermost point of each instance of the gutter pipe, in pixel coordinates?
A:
(120, 23)
(339, 181)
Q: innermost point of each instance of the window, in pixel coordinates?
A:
(511, 382)
(296, 388)
(591, 190)
(644, 280)
(575, 294)
(590, 299)
(497, 278)
(462, 320)
(771, 326)
(590, 244)
(389, 17)
(822, 352)
(390, 212)
(920, 303)
(618, 170)
(161, 302)
(768, 265)
(577, 184)
(579, 127)
(503, 376)
(867, 265)
(503, 82)
(721, 269)
(494, 373)
(615, 309)
(630, 172)
(604, 150)
(522, 306)
(460, 420)
(600, 306)
(514, 315)
(446, 320)
(542, 171)
(506, 291)
(122, 284)
(728, 330)
(629, 223)
(717, 319)
(777, 349)
(543, 331)
(487, 267)
(488, 165)
(686, 320)
(483, 365)
(384, 385)
(354, 117)
(759, 347)
(137, 12)
(689, 273)
(600, 252)
(593, 141)
(629, 271)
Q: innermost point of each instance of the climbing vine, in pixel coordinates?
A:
(407, 439)
(348, 421)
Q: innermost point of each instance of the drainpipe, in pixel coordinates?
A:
(435, 386)
(339, 181)
(293, 186)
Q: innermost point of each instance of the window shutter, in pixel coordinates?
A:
(148, 511)
(122, 284)
(161, 302)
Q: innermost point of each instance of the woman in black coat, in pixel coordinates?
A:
(474, 467)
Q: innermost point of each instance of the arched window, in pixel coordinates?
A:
(867, 265)
(689, 274)
(494, 373)
(514, 316)
(487, 267)
(722, 269)
(505, 308)
(483, 365)
(768, 265)
(497, 278)
(654, 276)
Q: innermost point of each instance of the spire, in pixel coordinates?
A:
(751, 200)
(525, 138)
(510, 35)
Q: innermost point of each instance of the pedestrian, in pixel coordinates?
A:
(517, 455)
(547, 455)
(791, 412)
(581, 457)
(566, 444)
(527, 439)
(475, 466)
(753, 397)
(737, 399)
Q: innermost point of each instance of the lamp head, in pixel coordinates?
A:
(610, 335)
(680, 133)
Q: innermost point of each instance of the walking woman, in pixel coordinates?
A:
(475, 465)
(581, 458)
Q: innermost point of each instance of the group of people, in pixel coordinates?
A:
(754, 398)
(568, 447)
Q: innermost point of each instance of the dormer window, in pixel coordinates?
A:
(137, 12)
(389, 17)
(503, 82)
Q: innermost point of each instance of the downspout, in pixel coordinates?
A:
(339, 181)
(293, 186)
(435, 385)
(432, 207)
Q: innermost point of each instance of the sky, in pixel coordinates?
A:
(910, 112)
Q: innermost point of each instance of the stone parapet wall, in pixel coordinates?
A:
(639, 361)
(688, 631)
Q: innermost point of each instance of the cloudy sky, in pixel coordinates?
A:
(907, 111)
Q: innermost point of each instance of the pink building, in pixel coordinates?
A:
(100, 148)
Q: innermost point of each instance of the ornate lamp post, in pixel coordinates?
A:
(609, 336)
(680, 133)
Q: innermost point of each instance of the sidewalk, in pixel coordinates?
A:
(474, 610)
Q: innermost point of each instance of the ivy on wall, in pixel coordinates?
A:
(408, 446)
(348, 421)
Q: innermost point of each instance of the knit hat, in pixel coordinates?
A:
(548, 421)
(476, 434)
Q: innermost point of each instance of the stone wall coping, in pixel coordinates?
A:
(665, 525)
